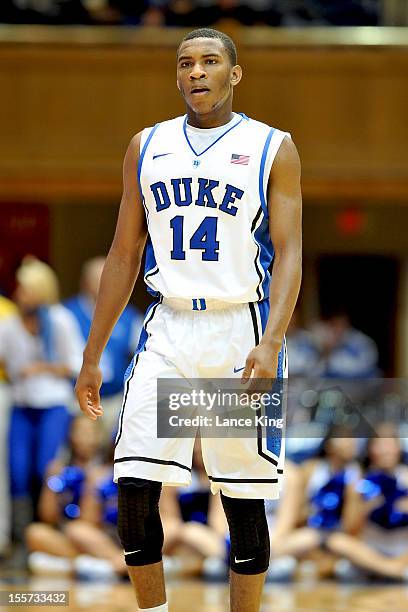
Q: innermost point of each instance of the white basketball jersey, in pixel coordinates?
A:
(207, 211)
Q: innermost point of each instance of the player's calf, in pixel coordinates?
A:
(139, 524)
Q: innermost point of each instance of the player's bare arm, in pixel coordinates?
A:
(285, 215)
(118, 279)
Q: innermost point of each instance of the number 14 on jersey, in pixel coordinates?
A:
(204, 238)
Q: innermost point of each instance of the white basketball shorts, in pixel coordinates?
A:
(180, 341)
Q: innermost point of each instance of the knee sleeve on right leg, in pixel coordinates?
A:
(250, 548)
(139, 524)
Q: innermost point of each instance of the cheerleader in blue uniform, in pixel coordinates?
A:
(193, 520)
(95, 533)
(48, 540)
(311, 508)
(375, 513)
(195, 530)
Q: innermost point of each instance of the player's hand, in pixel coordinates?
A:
(261, 364)
(87, 390)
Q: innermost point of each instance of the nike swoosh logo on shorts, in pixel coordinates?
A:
(161, 155)
(236, 370)
(243, 560)
(130, 552)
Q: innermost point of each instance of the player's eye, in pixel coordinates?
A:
(185, 64)
(211, 61)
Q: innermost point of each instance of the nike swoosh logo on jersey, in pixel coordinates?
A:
(236, 370)
(243, 560)
(161, 155)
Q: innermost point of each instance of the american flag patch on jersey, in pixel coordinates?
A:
(240, 159)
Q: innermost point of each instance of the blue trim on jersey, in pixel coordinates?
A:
(261, 235)
(262, 194)
(143, 152)
(144, 335)
(265, 254)
(151, 267)
(213, 143)
(263, 308)
(150, 261)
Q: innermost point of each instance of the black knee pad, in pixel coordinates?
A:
(139, 525)
(250, 546)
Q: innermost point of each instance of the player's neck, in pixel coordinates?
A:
(210, 120)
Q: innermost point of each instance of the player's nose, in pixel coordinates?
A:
(197, 72)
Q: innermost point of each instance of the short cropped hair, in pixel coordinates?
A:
(228, 43)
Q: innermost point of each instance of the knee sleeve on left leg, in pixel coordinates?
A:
(250, 547)
(139, 524)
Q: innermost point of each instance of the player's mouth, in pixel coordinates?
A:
(199, 90)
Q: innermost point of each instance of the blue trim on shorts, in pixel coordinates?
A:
(144, 336)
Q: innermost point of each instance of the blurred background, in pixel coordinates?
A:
(78, 79)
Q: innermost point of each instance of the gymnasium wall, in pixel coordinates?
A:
(71, 99)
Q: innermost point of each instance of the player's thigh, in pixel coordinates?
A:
(140, 452)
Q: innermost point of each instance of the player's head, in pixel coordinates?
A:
(207, 70)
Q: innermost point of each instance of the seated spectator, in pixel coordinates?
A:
(41, 348)
(346, 12)
(252, 12)
(94, 535)
(194, 522)
(79, 507)
(282, 517)
(395, 13)
(60, 499)
(334, 12)
(304, 362)
(121, 344)
(182, 13)
(303, 350)
(346, 351)
(130, 12)
(312, 509)
(375, 512)
(49, 12)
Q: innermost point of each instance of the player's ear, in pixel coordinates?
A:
(178, 85)
(236, 75)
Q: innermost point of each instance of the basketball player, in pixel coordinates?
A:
(217, 195)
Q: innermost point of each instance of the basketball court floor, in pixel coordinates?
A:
(197, 596)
